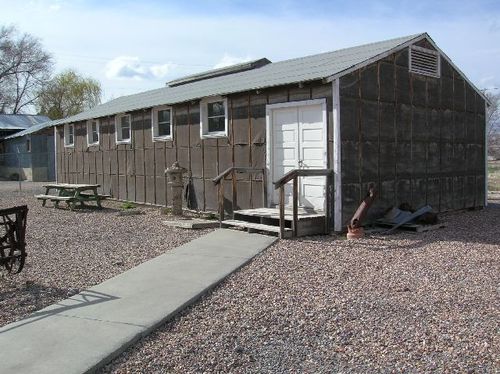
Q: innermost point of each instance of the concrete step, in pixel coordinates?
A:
(253, 227)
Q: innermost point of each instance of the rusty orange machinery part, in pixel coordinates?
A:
(354, 229)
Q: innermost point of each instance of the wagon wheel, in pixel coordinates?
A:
(13, 240)
(13, 260)
(14, 263)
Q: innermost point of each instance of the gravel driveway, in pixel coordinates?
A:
(407, 303)
(70, 251)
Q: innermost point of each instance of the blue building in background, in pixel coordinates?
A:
(26, 148)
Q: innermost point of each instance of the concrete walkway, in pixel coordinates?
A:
(82, 333)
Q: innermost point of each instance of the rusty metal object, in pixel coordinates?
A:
(12, 241)
(354, 229)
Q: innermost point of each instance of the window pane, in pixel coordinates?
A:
(164, 129)
(164, 116)
(216, 109)
(125, 122)
(216, 124)
(125, 133)
(70, 134)
(94, 135)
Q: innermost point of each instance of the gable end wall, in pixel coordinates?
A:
(419, 139)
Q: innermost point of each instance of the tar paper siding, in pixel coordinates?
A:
(135, 171)
(419, 139)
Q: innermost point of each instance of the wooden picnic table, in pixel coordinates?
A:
(72, 194)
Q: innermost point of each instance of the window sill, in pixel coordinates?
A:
(162, 138)
(123, 141)
(93, 144)
(214, 135)
(69, 146)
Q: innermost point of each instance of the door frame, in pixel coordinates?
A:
(269, 137)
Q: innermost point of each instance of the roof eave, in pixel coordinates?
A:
(375, 58)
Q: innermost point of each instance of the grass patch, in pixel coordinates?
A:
(494, 176)
(126, 205)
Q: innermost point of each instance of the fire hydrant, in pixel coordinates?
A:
(174, 174)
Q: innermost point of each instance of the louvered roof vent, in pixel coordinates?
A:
(425, 61)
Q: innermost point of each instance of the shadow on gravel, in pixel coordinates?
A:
(36, 296)
(86, 209)
(32, 294)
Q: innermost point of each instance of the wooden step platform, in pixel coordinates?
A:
(274, 213)
(255, 227)
(267, 220)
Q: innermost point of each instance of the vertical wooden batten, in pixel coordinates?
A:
(337, 157)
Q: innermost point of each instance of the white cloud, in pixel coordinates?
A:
(128, 67)
(228, 60)
(160, 71)
(192, 40)
(44, 5)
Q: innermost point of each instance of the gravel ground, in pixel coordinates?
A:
(407, 303)
(70, 251)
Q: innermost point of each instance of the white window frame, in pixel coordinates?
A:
(424, 50)
(67, 126)
(204, 133)
(89, 132)
(154, 123)
(118, 128)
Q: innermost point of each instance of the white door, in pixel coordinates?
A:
(298, 141)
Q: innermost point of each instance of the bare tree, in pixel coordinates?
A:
(493, 113)
(493, 125)
(24, 68)
(67, 94)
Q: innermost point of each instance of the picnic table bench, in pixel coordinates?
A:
(72, 194)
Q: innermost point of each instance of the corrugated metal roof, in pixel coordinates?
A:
(32, 129)
(20, 121)
(275, 74)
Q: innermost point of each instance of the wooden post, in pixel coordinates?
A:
(282, 211)
(221, 200)
(328, 202)
(264, 188)
(295, 206)
(234, 193)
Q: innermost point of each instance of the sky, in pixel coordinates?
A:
(134, 46)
